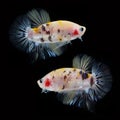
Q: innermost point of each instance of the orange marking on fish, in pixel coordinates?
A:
(36, 30)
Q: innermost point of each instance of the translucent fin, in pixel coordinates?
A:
(18, 33)
(41, 52)
(47, 50)
(45, 91)
(76, 98)
(83, 62)
(58, 48)
(81, 39)
(103, 81)
(38, 17)
(90, 105)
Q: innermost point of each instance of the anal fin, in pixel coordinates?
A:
(78, 98)
(58, 48)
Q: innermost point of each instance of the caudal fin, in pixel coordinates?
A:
(18, 31)
(101, 78)
(19, 35)
(103, 81)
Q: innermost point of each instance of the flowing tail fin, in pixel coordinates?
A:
(103, 81)
(18, 34)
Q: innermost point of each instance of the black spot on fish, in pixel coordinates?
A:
(42, 40)
(47, 32)
(69, 33)
(80, 72)
(65, 77)
(74, 69)
(58, 30)
(53, 77)
(60, 39)
(49, 38)
(63, 87)
(84, 76)
(69, 73)
(43, 27)
(47, 24)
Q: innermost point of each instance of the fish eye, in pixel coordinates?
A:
(40, 80)
(81, 29)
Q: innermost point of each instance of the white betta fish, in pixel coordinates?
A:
(82, 86)
(36, 35)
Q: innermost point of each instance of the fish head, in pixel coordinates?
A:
(82, 30)
(50, 83)
(45, 83)
(78, 31)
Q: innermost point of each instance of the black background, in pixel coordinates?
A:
(23, 98)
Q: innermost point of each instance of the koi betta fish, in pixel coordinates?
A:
(34, 34)
(82, 86)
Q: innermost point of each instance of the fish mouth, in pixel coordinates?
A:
(39, 83)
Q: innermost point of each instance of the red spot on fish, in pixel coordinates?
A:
(47, 82)
(91, 81)
(75, 32)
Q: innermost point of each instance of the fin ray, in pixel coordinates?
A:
(103, 81)
(18, 31)
(77, 98)
(58, 48)
(83, 62)
(38, 17)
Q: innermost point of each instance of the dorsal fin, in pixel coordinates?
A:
(38, 17)
(83, 62)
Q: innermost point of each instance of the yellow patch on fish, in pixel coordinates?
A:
(89, 75)
(48, 23)
(62, 70)
(60, 38)
(35, 30)
(78, 74)
(60, 22)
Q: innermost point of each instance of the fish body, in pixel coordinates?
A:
(66, 79)
(36, 35)
(82, 85)
(56, 31)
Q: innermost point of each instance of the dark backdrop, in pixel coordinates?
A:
(23, 98)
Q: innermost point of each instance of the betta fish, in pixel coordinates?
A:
(81, 85)
(36, 35)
